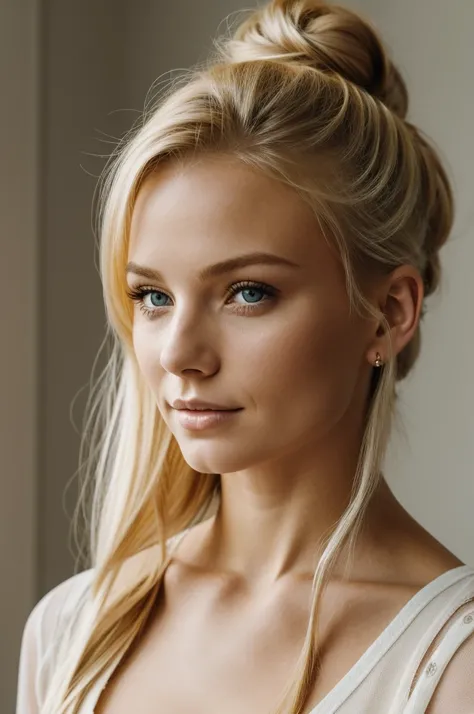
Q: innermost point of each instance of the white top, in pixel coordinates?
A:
(380, 681)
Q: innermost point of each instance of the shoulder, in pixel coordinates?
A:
(53, 607)
(445, 678)
(56, 613)
(455, 658)
(59, 603)
(45, 621)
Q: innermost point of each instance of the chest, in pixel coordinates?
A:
(210, 648)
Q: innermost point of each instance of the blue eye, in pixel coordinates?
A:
(155, 292)
(247, 286)
(252, 289)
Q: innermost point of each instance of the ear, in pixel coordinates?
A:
(400, 298)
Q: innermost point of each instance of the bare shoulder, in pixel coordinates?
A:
(422, 557)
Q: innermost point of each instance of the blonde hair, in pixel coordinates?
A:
(305, 92)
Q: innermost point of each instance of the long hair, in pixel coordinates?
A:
(305, 92)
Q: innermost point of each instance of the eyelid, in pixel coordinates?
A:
(242, 283)
(138, 293)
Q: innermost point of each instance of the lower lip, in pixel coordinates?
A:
(197, 420)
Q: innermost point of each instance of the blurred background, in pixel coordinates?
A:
(74, 76)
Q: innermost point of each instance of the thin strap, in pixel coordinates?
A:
(457, 633)
(456, 601)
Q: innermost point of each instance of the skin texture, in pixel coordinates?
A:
(299, 365)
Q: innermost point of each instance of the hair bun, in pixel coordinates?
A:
(326, 37)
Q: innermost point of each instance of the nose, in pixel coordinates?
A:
(187, 345)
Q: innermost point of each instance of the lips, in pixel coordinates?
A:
(195, 404)
(199, 420)
(204, 411)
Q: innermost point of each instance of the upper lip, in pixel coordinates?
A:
(198, 404)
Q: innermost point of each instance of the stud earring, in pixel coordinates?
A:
(378, 360)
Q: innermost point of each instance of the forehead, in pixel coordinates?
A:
(213, 208)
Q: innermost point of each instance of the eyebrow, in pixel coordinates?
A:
(225, 266)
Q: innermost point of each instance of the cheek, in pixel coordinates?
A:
(146, 356)
(308, 368)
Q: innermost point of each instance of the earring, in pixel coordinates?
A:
(378, 360)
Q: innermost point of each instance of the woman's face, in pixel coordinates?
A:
(283, 348)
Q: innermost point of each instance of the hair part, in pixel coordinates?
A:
(305, 92)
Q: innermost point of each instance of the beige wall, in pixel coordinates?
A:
(62, 71)
(97, 63)
(84, 61)
(19, 256)
(431, 468)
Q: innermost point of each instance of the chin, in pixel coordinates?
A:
(210, 458)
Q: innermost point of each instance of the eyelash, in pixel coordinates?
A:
(137, 294)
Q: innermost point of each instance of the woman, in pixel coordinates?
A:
(273, 228)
